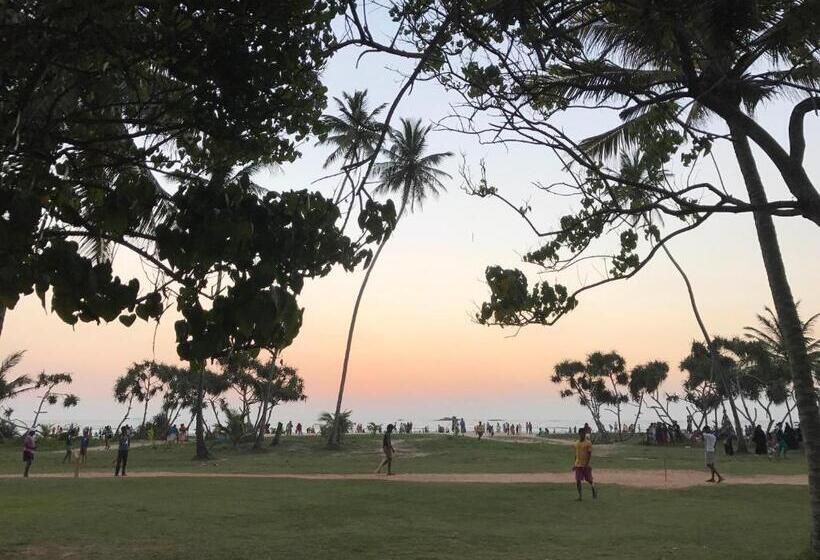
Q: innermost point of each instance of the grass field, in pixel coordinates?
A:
(248, 518)
(236, 518)
(415, 454)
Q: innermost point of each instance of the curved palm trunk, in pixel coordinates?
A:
(2, 319)
(334, 438)
(795, 343)
(715, 370)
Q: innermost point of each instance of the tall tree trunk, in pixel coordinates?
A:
(791, 326)
(334, 438)
(144, 413)
(714, 364)
(2, 319)
(263, 419)
(201, 448)
(127, 412)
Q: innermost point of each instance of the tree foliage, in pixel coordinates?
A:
(102, 106)
(600, 383)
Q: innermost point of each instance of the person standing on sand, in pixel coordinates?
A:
(122, 451)
(29, 446)
(387, 448)
(709, 441)
(582, 468)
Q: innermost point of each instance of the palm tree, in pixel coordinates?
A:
(9, 387)
(413, 174)
(676, 58)
(353, 133)
(340, 422)
(770, 334)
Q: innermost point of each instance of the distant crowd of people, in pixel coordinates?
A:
(775, 442)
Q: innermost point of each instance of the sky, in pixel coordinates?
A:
(418, 353)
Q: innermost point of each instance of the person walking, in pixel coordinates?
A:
(69, 444)
(122, 451)
(29, 445)
(387, 448)
(709, 441)
(582, 467)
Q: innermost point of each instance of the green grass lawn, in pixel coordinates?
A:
(301, 519)
(296, 519)
(416, 454)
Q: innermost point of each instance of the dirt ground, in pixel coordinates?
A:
(634, 478)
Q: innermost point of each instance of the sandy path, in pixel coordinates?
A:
(632, 478)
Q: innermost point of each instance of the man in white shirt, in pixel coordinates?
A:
(709, 441)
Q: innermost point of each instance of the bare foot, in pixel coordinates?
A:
(719, 480)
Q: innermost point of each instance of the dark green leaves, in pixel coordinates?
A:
(100, 101)
(512, 303)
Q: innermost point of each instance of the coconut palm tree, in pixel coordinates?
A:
(413, 174)
(354, 135)
(11, 386)
(769, 333)
(722, 64)
(340, 422)
(354, 132)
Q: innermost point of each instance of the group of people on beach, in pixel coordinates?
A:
(775, 443)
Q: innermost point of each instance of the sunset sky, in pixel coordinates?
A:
(418, 353)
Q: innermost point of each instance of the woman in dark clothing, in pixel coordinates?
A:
(387, 448)
(759, 437)
(790, 437)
